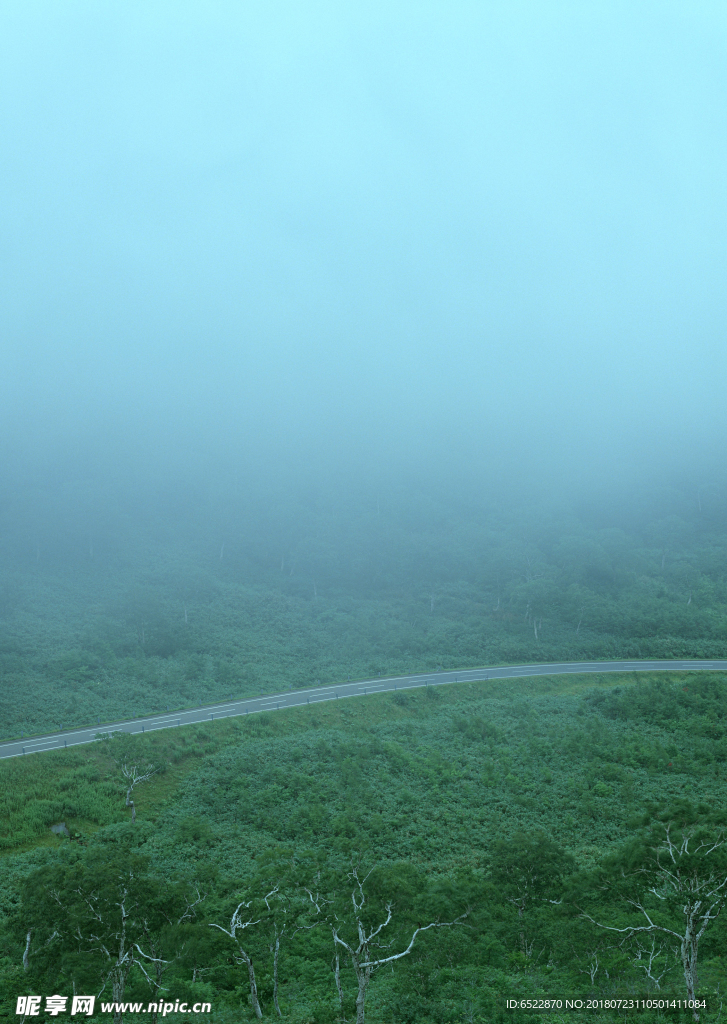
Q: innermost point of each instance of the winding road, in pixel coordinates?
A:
(296, 698)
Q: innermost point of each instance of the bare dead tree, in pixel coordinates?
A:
(155, 944)
(26, 952)
(238, 923)
(680, 882)
(336, 967)
(106, 934)
(284, 912)
(134, 775)
(363, 960)
(646, 958)
(279, 929)
(591, 968)
(188, 912)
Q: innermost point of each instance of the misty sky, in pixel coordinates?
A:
(378, 228)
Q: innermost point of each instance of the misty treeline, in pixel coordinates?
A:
(555, 814)
(127, 598)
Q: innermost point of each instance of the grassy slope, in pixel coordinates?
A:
(431, 778)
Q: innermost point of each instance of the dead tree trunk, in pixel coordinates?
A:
(690, 884)
(241, 956)
(276, 951)
(134, 775)
(368, 939)
(337, 974)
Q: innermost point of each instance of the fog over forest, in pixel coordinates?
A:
(362, 347)
(408, 298)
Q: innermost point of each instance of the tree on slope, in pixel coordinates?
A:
(278, 908)
(670, 884)
(133, 775)
(360, 938)
(243, 917)
(90, 918)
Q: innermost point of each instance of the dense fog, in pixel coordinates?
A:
(363, 510)
(403, 318)
(479, 244)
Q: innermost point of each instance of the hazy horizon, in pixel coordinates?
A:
(480, 241)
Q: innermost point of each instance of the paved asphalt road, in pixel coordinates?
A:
(233, 708)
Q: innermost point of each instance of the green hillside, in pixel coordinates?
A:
(502, 800)
(119, 604)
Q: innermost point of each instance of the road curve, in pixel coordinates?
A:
(277, 701)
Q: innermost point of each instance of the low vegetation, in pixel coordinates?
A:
(521, 816)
